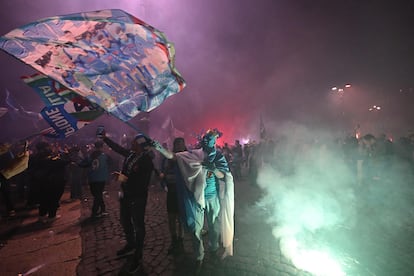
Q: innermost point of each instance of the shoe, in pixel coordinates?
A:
(52, 219)
(198, 266)
(173, 247)
(43, 219)
(180, 246)
(95, 216)
(12, 213)
(214, 255)
(135, 265)
(128, 249)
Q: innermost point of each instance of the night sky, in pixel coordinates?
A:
(244, 59)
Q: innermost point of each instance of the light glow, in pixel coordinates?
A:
(319, 263)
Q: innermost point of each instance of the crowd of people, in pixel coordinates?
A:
(50, 167)
(196, 194)
(368, 156)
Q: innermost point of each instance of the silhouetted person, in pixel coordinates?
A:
(47, 171)
(134, 178)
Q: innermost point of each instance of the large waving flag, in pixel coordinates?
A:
(108, 57)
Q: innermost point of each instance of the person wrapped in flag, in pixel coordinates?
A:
(207, 191)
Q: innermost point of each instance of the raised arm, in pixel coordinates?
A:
(117, 148)
(168, 154)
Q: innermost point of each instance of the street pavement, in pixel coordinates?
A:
(29, 247)
(75, 244)
(101, 238)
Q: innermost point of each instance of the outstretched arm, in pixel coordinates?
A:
(117, 148)
(168, 154)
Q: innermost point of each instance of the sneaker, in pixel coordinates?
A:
(12, 213)
(173, 247)
(214, 256)
(52, 219)
(198, 267)
(177, 247)
(180, 245)
(128, 249)
(42, 219)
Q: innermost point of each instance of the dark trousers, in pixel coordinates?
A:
(132, 215)
(97, 193)
(49, 197)
(4, 188)
(76, 179)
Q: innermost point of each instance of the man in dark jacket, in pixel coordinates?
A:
(135, 177)
(47, 171)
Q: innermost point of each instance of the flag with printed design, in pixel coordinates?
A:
(108, 57)
(65, 111)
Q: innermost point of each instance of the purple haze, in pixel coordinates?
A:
(242, 59)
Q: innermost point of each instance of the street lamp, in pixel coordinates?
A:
(340, 90)
(375, 108)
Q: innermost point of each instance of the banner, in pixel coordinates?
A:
(108, 57)
(61, 121)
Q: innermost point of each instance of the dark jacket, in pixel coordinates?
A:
(138, 167)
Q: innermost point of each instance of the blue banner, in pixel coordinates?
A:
(61, 121)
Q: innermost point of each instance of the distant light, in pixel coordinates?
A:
(244, 141)
(375, 107)
(334, 88)
(340, 90)
(347, 85)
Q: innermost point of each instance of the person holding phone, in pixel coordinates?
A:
(97, 163)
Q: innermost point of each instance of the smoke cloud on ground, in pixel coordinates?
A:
(322, 214)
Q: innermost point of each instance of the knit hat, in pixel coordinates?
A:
(142, 140)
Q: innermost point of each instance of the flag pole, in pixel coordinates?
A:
(42, 132)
